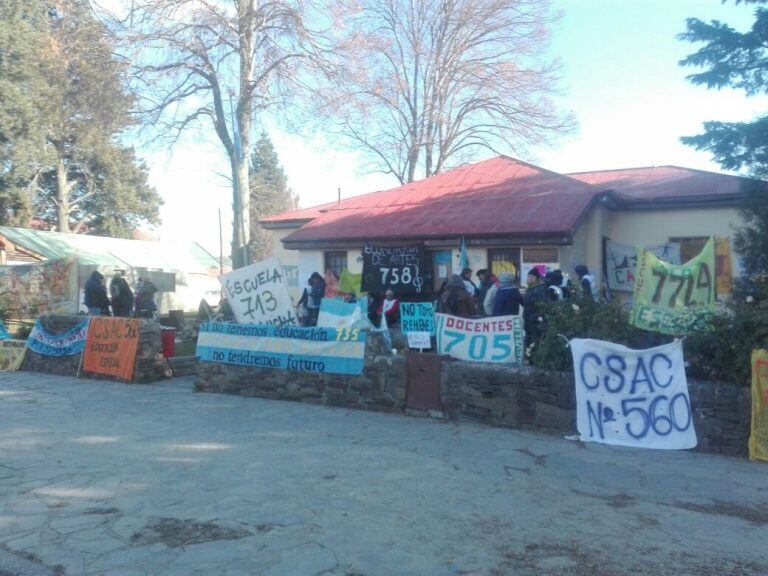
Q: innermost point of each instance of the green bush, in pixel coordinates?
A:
(718, 345)
(579, 318)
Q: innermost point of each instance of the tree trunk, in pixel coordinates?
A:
(240, 222)
(62, 198)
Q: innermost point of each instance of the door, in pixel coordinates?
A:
(441, 268)
(423, 381)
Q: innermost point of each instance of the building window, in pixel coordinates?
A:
(690, 247)
(335, 262)
(505, 261)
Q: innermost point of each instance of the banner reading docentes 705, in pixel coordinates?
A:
(325, 350)
(497, 339)
(664, 291)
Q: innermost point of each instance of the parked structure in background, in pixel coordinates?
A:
(514, 216)
(183, 273)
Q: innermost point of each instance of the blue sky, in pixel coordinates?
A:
(620, 79)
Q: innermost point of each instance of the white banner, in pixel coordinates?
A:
(622, 262)
(498, 339)
(631, 397)
(258, 294)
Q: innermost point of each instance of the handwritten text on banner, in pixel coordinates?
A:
(632, 397)
(65, 344)
(258, 294)
(497, 339)
(324, 350)
(112, 345)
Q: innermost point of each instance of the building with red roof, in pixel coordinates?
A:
(513, 215)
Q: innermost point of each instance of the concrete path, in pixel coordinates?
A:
(106, 478)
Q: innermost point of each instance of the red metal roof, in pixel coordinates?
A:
(499, 197)
(659, 183)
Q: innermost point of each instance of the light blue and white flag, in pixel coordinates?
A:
(335, 313)
(323, 350)
(66, 344)
(3, 332)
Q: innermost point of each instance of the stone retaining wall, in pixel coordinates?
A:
(511, 397)
(150, 364)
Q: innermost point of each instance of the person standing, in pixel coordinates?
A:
(390, 308)
(587, 283)
(316, 294)
(508, 299)
(145, 298)
(486, 292)
(469, 286)
(456, 300)
(96, 299)
(535, 294)
(122, 295)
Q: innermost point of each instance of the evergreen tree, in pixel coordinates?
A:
(730, 58)
(72, 167)
(23, 91)
(269, 192)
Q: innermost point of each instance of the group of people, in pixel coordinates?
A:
(121, 300)
(500, 296)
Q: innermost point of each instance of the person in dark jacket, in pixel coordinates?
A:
(122, 295)
(456, 300)
(587, 283)
(316, 295)
(145, 298)
(96, 299)
(534, 295)
(508, 298)
(554, 283)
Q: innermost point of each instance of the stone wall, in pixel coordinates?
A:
(150, 364)
(497, 395)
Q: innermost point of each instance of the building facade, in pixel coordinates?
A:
(512, 216)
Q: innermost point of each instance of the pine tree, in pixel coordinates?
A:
(73, 170)
(269, 192)
(738, 60)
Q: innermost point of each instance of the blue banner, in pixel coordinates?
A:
(3, 332)
(323, 350)
(66, 344)
(417, 317)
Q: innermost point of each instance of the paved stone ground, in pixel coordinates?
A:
(105, 478)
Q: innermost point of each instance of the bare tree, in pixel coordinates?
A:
(217, 61)
(425, 83)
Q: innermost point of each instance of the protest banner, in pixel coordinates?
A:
(323, 350)
(664, 292)
(3, 332)
(621, 262)
(419, 340)
(111, 347)
(398, 268)
(498, 339)
(758, 439)
(31, 290)
(258, 294)
(723, 273)
(629, 397)
(350, 283)
(12, 354)
(417, 317)
(65, 344)
(336, 313)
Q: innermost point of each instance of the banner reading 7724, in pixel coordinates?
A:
(664, 291)
(498, 339)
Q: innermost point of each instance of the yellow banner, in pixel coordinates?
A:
(723, 266)
(665, 292)
(758, 440)
(12, 354)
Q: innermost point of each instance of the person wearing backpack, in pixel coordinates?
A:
(456, 300)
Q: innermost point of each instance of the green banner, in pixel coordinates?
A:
(350, 283)
(664, 293)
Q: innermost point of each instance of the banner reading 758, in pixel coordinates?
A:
(497, 339)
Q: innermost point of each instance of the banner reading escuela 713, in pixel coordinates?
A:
(664, 291)
(498, 339)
